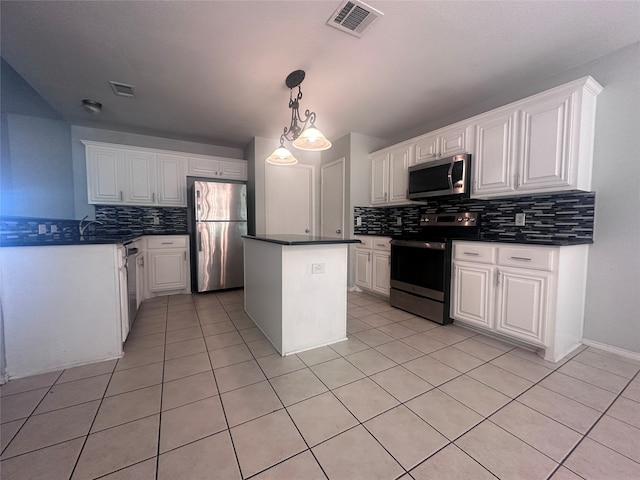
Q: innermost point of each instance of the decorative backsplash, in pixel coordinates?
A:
(25, 229)
(548, 217)
(140, 220)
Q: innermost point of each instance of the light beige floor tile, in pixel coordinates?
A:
(179, 308)
(503, 454)
(20, 405)
(8, 431)
(633, 391)
(185, 366)
(275, 364)
(118, 447)
(247, 403)
(401, 383)
(140, 471)
(218, 328)
(184, 322)
(34, 382)
(261, 348)
(128, 406)
(475, 395)
(53, 427)
(74, 393)
(370, 361)
(565, 474)
(396, 330)
(574, 415)
(423, 342)
(373, 337)
(297, 386)
(238, 375)
(183, 334)
(451, 463)
(521, 367)
(302, 466)
(148, 328)
(419, 324)
(55, 462)
(321, 417)
(188, 389)
(349, 346)
(406, 436)
(611, 363)
(145, 341)
(375, 320)
(494, 342)
(499, 379)
(265, 441)
(478, 349)
(399, 352)
(355, 454)
(618, 436)
(318, 355)
(450, 417)
(357, 311)
(336, 373)
(210, 316)
(533, 357)
(151, 317)
(596, 462)
(134, 378)
(191, 422)
(397, 315)
(626, 410)
(86, 371)
(446, 335)
(241, 320)
(354, 325)
(456, 359)
(139, 358)
(251, 334)
(223, 357)
(585, 393)
(365, 399)
(594, 376)
(183, 349)
(223, 340)
(431, 370)
(546, 435)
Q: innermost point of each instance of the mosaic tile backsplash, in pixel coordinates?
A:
(548, 217)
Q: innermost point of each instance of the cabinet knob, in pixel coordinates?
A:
(338, 231)
(306, 230)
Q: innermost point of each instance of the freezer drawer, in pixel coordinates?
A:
(219, 255)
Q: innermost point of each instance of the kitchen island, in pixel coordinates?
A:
(295, 289)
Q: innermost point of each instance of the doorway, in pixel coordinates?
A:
(332, 199)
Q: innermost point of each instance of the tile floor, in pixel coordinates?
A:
(200, 393)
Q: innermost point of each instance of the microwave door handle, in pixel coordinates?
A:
(449, 176)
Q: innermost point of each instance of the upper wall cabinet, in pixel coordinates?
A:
(389, 174)
(214, 167)
(444, 143)
(541, 144)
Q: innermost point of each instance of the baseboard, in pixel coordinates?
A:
(609, 348)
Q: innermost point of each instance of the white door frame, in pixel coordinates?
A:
(340, 161)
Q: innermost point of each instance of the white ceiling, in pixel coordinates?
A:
(213, 71)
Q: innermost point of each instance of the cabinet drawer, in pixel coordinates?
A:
(367, 241)
(381, 243)
(167, 242)
(474, 252)
(527, 257)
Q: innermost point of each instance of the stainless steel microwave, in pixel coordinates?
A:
(440, 178)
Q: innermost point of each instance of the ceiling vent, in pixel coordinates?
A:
(122, 89)
(354, 17)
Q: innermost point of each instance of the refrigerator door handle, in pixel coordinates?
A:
(198, 206)
(199, 239)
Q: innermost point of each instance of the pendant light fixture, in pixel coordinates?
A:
(302, 137)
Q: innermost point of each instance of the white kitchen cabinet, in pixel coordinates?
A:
(528, 293)
(105, 174)
(389, 174)
(172, 188)
(167, 264)
(540, 144)
(443, 143)
(373, 269)
(215, 167)
(140, 178)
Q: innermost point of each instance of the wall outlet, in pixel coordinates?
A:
(54, 229)
(520, 220)
(399, 221)
(317, 268)
(358, 221)
(156, 221)
(42, 229)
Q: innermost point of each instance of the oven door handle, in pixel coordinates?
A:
(418, 244)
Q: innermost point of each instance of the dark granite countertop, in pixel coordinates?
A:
(524, 240)
(300, 239)
(86, 240)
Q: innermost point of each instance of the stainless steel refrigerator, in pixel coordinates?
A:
(220, 211)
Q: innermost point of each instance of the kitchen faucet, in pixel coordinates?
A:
(83, 226)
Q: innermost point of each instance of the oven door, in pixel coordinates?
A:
(419, 267)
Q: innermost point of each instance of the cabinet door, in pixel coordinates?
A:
(380, 279)
(398, 174)
(494, 161)
(363, 268)
(472, 293)
(140, 178)
(203, 167)
(545, 144)
(233, 170)
(453, 141)
(172, 183)
(523, 303)
(105, 175)
(427, 148)
(167, 269)
(379, 178)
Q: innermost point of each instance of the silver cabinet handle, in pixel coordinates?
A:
(498, 277)
(473, 254)
(522, 259)
(120, 195)
(368, 256)
(380, 245)
(306, 230)
(153, 198)
(338, 231)
(185, 255)
(166, 243)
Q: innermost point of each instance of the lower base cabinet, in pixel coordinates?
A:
(167, 264)
(531, 294)
(373, 258)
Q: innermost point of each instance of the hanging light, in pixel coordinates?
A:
(302, 137)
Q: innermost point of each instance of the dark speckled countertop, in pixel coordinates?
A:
(87, 240)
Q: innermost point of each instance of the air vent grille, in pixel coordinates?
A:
(354, 17)
(122, 89)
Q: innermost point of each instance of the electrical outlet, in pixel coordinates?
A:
(317, 268)
(54, 229)
(42, 229)
(358, 221)
(156, 221)
(520, 219)
(399, 221)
